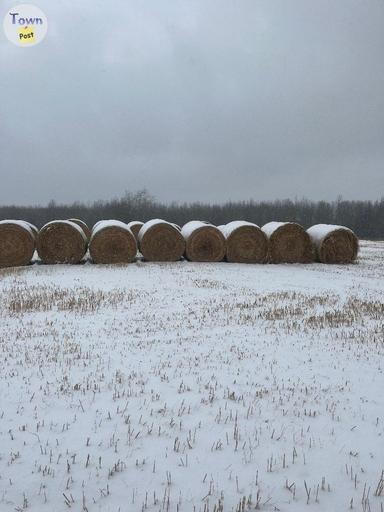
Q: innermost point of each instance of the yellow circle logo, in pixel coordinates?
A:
(25, 25)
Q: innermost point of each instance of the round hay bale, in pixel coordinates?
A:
(203, 242)
(112, 242)
(246, 242)
(288, 243)
(135, 226)
(334, 244)
(83, 226)
(161, 241)
(17, 243)
(61, 241)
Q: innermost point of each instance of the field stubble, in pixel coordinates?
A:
(193, 387)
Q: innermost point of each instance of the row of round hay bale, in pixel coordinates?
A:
(288, 243)
(112, 242)
(334, 244)
(203, 241)
(161, 241)
(61, 241)
(17, 243)
(135, 226)
(246, 242)
(83, 226)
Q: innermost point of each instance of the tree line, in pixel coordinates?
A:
(366, 218)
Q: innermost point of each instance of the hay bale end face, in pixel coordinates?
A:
(203, 242)
(135, 226)
(61, 241)
(334, 244)
(161, 241)
(17, 243)
(112, 242)
(288, 243)
(83, 226)
(246, 242)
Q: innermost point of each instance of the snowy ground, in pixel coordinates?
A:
(193, 387)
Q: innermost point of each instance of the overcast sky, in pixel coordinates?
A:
(195, 100)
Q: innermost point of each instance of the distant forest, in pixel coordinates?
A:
(366, 218)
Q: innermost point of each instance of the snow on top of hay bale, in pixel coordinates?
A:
(229, 228)
(319, 231)
(102, 224)
(69, 223)
(22, 223)
(271, 227)
(192, 226)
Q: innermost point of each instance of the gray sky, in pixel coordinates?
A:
(195, 100)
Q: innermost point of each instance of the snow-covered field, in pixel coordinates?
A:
(193, 387)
